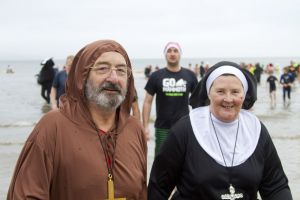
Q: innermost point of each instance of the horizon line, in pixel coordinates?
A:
(182, 58)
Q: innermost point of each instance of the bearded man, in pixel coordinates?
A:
(172, 86)
(91, 148)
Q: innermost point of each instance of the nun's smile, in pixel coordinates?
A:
(226, 97)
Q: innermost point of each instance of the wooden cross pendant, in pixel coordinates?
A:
(111, 190)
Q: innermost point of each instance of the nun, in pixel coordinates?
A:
(220, 150)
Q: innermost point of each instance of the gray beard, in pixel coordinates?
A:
(107, 102)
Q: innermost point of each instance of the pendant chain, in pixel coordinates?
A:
(232, 194)
(236, 136)
(109, 164)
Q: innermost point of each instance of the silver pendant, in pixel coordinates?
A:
(232, 195)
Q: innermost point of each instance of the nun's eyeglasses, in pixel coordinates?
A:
(106, 69)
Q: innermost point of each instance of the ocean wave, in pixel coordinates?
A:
(286, 137)
(11, 143)
(18, 124)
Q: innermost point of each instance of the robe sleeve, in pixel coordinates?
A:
(33, 172)
(167, 165)
(143, 194)
(274, 184)
(144, 191)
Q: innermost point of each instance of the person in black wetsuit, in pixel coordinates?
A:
(272, 88)
(45, 78)
(286, 80)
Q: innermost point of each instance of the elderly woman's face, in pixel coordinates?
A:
(226, 97)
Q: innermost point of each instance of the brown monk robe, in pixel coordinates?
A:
(70, 155)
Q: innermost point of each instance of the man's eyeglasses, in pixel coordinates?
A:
(105, 69)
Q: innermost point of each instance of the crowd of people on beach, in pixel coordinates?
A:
(93, 148)
(286, 77)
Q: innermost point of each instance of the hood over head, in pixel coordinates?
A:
(199, 96)
(48, 63)
(74, 103)
(46, 60)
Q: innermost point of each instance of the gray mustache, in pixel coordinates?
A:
(110, 86)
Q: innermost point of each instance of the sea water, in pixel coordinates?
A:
(21, 106)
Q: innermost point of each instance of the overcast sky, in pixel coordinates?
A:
(34, 29)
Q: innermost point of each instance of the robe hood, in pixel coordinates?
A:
(199, 96)
(74, 103)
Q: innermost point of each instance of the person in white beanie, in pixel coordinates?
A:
(172, 86)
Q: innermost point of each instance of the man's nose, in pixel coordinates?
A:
(112, 77)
